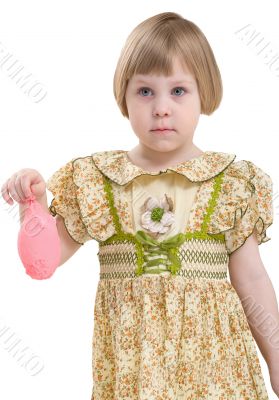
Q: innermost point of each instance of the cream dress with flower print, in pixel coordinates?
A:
(168, 324)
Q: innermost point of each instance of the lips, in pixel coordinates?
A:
(162, 129)
(163, 132)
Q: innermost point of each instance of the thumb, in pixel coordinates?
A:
(37, 189)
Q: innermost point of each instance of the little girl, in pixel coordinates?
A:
(170, 220)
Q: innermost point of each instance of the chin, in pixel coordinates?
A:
(164, 148)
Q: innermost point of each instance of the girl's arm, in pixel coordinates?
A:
(254, 288)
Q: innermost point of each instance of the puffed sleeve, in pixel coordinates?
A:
(254, 195)
(65, 202)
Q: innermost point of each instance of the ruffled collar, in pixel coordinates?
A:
(116, 165)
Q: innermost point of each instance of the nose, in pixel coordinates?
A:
(161, 108)
(160, 112)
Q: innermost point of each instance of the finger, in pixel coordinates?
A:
(18, 187)
(5, 193)
(25, 187)
(12, 191)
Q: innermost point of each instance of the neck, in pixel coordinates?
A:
(149, 159)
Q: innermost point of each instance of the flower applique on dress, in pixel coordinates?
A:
(157, 218)
(157, 215)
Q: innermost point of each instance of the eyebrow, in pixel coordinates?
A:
(172, 82)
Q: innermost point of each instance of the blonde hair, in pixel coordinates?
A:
(150, 48)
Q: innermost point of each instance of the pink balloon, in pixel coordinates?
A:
(38, 242)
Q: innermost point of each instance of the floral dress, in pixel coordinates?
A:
(168, 324)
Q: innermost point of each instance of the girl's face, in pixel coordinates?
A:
(160, 102)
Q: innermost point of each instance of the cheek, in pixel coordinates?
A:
(139, 124)
(135, 121)
(138, 107)
(193, 110)
(139, 114)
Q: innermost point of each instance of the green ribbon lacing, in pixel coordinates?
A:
(167, 247)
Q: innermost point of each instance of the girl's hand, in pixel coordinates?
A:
(22, 185)
(274, 378)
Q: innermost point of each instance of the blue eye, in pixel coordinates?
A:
(146, 89)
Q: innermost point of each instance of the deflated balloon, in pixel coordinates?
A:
(38, 242)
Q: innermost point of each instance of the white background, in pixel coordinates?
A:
(72, 49)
